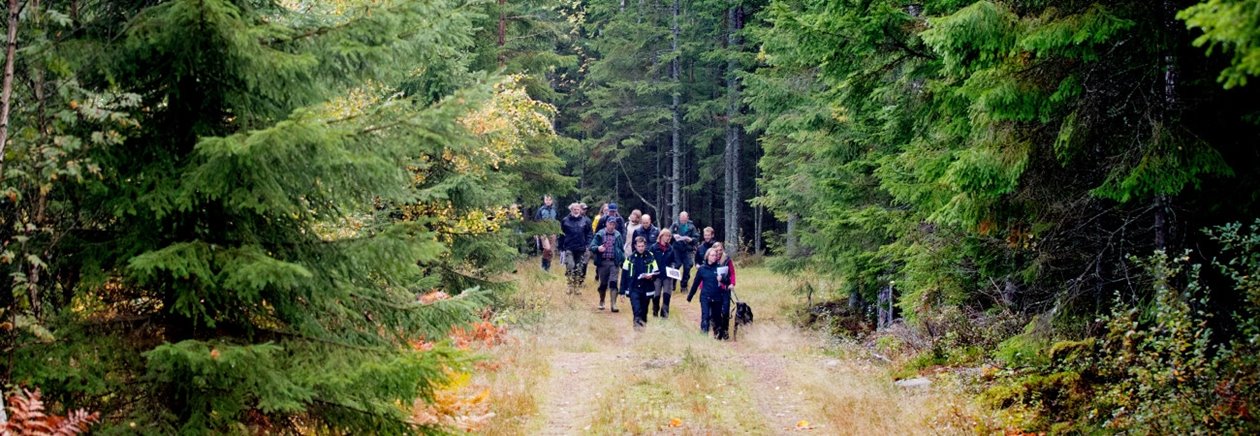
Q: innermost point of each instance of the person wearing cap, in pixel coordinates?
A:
(606, 250)
(577, 234)
(613, 215)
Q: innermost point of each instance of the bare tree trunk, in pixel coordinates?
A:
(757, 215)
(6, 96)
(1170, 108)
(675, 72)
(734, 24)
(502, 32)
(790, 246)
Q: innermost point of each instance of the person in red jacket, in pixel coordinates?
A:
(726, 261)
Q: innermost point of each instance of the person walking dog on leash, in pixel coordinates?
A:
(714, 280)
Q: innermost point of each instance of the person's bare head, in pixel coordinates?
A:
(664, 236)
(645, 220)
(635, 215)
(684, 218)
(719, 247)
(547, 200)
(603, 209)
(712, 256)
(575, 209)
(640, 244)
(708, 233)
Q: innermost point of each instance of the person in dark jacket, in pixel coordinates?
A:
(686, 239)
(607, 249)
(615, 216)
(666, 257)
(714, 281)
(705, 245)
(647, 230)
(637, 275)
(546, 243)
(574, 240)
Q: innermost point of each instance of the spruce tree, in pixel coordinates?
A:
(293, 176)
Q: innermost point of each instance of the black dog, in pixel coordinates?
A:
(743, 316)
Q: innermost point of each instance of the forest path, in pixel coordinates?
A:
(589, 372)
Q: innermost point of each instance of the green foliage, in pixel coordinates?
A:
(989, 155)
(1158, 368)
(222, 214)
(1228, 26)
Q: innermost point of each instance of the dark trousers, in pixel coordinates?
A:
(639, 304)
(715, 312)
(664, 289)
(689, 261)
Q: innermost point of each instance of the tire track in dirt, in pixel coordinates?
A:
(571, 392)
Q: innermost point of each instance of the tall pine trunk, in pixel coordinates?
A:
(734, 24)
(675, 72)
(6, 96)
(1162, 202)
(502, 32)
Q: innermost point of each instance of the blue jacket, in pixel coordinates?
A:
(635, 265)
(710, 286)
(545, 213)
(577, 233)
(619, 249)
(669, 257)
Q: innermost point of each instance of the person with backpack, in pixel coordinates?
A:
(637, 275)
(714, 280)
(574, 240)
(686, 239)
(606, 249)
(666, 257)
(546, 243)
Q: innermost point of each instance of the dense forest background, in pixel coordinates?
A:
(231, 214)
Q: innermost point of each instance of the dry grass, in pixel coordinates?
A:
(671, 379)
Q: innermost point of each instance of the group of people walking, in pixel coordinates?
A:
(635, 259)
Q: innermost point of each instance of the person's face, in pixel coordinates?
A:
(548, 201)
(708, 234)
(720, 249)
(640, 246)
(646, 220)
(712, 256)
(575, 211)
(663, 238)
(684, 218)
(610, 227)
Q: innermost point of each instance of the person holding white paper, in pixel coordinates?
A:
(713, 279)
(638, 273)
(667, 257)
